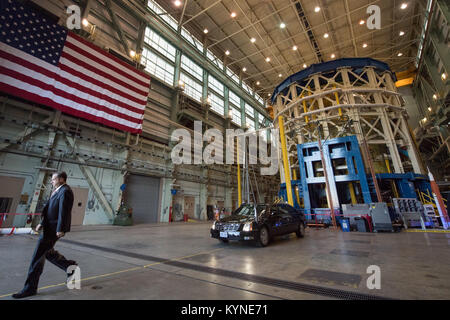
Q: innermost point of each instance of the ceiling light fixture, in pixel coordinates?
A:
(435, 96)
(444, 76)
(325, 35)
(403, 6)
(429, 109)
(205, 31)
(333, 56)
(364, 45)
(317, 9)
(85, 22)
(233, 14)
(177, 3)
(401, 33)
(132, 53)
(361, 22)
(268, 59)
(294, 48)
(280, 75)
(304, 65)
(227, 52)
(268, 94)
(244, 69)
(399, 54)
(258, 83)
(282, 25)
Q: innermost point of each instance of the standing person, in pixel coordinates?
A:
(55, 220)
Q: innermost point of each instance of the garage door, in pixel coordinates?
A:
(142, 194)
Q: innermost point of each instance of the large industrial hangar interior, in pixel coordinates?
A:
(339, 144)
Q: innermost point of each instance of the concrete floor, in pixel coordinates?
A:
(181, 261)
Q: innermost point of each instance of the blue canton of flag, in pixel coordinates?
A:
(24, 29)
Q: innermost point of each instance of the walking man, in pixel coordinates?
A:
(55, 220)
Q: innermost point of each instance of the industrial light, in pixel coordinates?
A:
(429, 109)
(280, 75)
(294, 48)
(177, 3)
(401, 33)
(364, 45)
(257, 83)
(233, 14)
(435, 96)
(403, 6)
(268, 94)
(361, 22)
(424, 119)
(333, 56)
(132, 53)
(268, 59)
(304, 65)
(399, 54)
(205, 31)
(325, 35)
(252, 40)
(282, 25)
(444, 76)
(227, 52)
(244, 69)
(85, 22)
(317, 9)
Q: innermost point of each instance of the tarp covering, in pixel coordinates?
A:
(330, 66)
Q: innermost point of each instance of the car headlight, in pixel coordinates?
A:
(248, 227)
(213, 227)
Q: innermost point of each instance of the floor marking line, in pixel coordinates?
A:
(121, 271)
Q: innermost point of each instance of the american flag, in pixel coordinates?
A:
(44, 63)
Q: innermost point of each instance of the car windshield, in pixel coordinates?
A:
(248, 210)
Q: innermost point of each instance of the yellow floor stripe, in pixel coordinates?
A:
(420, 230)
(121, 271)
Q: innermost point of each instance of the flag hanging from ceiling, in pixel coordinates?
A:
(44, 63)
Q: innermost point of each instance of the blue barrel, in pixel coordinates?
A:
(345, 224)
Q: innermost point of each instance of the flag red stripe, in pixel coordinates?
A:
(105, 64)
(48, 102)
(101, 73)
(110, 56)
(66, 81)
(66, 95)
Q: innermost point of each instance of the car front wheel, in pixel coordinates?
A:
(301, 230)
(263, 237)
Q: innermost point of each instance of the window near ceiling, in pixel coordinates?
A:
(261, 120)
(192, 88)
(249, 110)
(214, 59)
(156, 8)
(259, 99)
(250, 123)
(247, 88)
(234, 99)
(191, 39)
(157, 66)
(158, 43)
(192, 68)
(217, 104)
(215, 85)
(232, 75)
(236, 116)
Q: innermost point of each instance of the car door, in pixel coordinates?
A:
(286, 219)
(274, 221)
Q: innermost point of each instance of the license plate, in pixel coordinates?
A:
(224, 234)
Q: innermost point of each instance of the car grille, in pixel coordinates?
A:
(228, 226)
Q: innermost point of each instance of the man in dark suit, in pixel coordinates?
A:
(55, 220)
